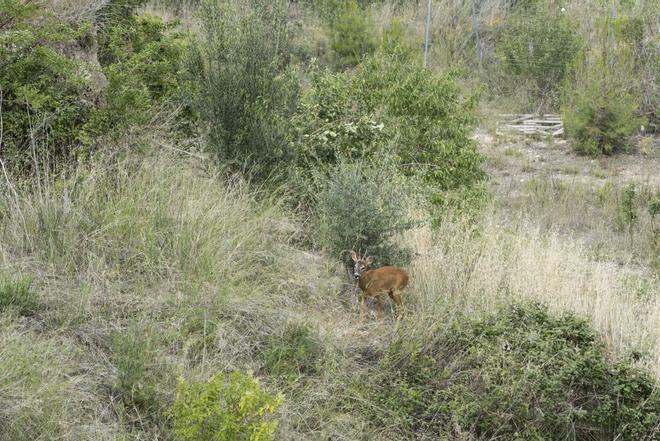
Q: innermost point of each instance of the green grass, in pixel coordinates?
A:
(16, 293)
(295, 353)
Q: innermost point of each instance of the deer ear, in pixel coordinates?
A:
(369, 260)
(354, 256)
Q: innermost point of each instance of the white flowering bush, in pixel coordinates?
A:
(419, 119)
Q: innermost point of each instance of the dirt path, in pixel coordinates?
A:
(525, 158)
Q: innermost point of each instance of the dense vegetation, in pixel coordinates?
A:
(180, 182)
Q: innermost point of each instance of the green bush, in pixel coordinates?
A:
(396, 42)
(601, 98)
(351, 34)
(243, 88)
(387, 104)
(462, 203)
(54, 95)
(294, 353)
(114, 15)
(221, 410)
(627, 214)
(638, 33)
(534, 51)
(141, 60)
(16, 294)
(520, 373)
(654, 211)
(46, 96)
(654, 206)
(362, 206)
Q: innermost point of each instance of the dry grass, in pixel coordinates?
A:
(451, 32)
(184, 12)
(76, 11)
(47, 389)
(558, 237)
(476, 268)
(547, 185)
(201, 268)
(153, 267)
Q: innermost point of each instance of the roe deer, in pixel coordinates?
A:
(375, 283)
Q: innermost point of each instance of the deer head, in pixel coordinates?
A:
(361, 264)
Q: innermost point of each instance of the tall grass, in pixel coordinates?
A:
(141, 220)
(480, 267)
(76, 11)
(44, 387)
(152, 268)
(148, 268)
(612, 219)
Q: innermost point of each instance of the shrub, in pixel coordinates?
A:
(55, 97)
(628, 216)
(15, 293)
(654, 206)
(351, 35)
(534, 51)
(654, 211)
(520, 373)
(294, 353)
(637, 32)
(418, 117)
(141, 60)
(362, 206)
(45, 96)
(221, 410)
(115, 14)
(601, 99)
(463, 203)
(242, 85)
(395, 42)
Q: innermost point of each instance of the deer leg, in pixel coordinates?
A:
(379, 310)
(396, 296)
(362, 307)
(391, 294)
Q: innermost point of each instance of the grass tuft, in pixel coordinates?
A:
(16, 294)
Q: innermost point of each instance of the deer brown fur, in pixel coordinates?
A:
(375, 283)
